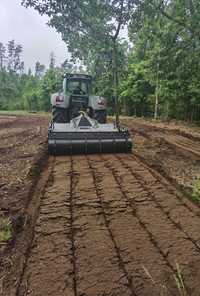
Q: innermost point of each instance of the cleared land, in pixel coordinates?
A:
(99, 224)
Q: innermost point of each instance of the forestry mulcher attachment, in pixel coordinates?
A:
(79, 121)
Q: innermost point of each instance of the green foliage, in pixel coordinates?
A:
(5, 230)
(88, 27)
(166, 52)
(30, 95)
(20, 91)
(91, 30)
(136, 90)
(51, 82)
(178, 276)
(160, 75)
(196, 190)
(9, 90)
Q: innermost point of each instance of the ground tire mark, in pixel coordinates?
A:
(33, 219)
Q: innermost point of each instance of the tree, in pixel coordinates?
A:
(166, 44)
(11, 53)
(87, 26)
(50, 83)
(67, 66)
(2, 55)
(19, 90)
(52, 60)
(17, 62)
(14, 56)
(29, 72)
(39, 70)
(30, 93)
(21, 68)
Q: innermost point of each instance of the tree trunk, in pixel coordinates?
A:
(167, 110)
(115, 83)
(156, 94)
(126, 113)
(156, 105)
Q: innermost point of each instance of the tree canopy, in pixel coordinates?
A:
(154, 73)
(19, 90)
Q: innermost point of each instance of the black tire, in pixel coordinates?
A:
(100, 116)
(60, 115)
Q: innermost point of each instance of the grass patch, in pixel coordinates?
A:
(5, 230)
(163, 287)
(196, 190)
(179, 281)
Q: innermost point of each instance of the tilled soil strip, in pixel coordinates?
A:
(173, 138)
(73, 253)
(184, 131)
(108, 226)
(137, 252)
(172, 227)
(49, 270)
(175, 156)
(167, 182)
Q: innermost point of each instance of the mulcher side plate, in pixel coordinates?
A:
(65, 139)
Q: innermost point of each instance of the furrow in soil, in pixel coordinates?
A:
(137, 248)
(49, 269)
(98, 264)
(172, 227)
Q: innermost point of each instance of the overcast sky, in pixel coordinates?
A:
(29, 29)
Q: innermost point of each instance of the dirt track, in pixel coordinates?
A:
(108, 225)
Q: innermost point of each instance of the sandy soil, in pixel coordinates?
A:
(99, 224)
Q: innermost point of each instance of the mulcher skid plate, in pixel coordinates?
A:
(84, 135)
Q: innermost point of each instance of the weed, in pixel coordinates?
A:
(161, 286)
(196, 190)
(5, 230)
(163, 289)
(179, 281)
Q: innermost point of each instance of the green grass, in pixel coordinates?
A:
(5, 230)
(179, 281)
(163, 288)
(196, 190)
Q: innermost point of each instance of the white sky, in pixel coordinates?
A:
(29, 29)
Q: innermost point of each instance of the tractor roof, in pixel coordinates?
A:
(78, 76)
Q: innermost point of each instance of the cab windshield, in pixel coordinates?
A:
(77, 87)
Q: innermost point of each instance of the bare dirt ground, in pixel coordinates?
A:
(99, 224)
(173, 149)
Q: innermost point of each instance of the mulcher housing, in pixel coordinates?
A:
(83, 139)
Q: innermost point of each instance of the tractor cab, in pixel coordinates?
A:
(78, 88)
(77, 84)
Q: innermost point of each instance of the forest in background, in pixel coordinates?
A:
(158, 69)
(27, 91)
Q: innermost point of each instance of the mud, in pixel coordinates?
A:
(103, 224)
